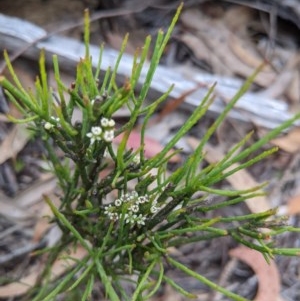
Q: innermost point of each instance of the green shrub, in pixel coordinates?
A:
(128, 219)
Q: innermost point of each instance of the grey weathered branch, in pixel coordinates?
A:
(15, 34)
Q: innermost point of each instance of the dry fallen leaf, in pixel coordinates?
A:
(44, 215)
(58, 269)
(115, 40)
(239, 180)
(267, 274)
(13, 142)
(293, 90)
(19, 288)
(152, 147)
(170, 294)
(289, 142)
(33, 194)
(283, 81)
(173, 104)
(19, 208)
(237, 19)
(199, 48)
(12, 211)
(220, 41)
(292, 207)
(245, 52)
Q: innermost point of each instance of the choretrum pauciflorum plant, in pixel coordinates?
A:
(125, 216)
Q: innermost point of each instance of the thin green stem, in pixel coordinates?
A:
(204, 280)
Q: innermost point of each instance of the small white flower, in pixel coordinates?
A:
(108, 136)
(104, 122)
(110, 212)
(153, 209)
(95, 134)
(140, 220)
(118, 202)
(134, 208)
(96, 130)
(111, 123)
(142, 199)
(113, 216)
(136, 159)
(48, 126)
(133, 195)
(130, 218)
(55, 118)
(108, 209)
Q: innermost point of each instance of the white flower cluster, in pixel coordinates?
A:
(48, 125)
(104, 132)
(134, 207)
